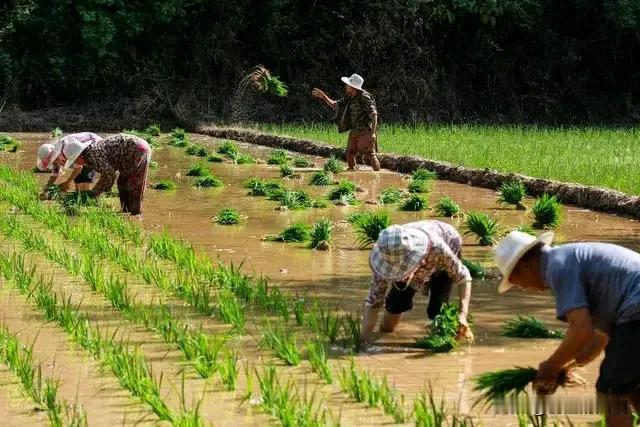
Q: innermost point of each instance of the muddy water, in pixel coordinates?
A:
(342, 275)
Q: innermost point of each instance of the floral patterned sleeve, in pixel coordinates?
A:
(441, 257)
(377, 292)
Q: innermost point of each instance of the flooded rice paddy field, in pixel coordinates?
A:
(339, 277)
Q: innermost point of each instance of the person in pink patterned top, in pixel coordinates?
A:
(423, 257)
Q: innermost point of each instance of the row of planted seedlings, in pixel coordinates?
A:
(321, 321)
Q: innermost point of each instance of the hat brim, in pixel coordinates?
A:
(46, 164)
(544, 238)
(346, 81)
(71, 160)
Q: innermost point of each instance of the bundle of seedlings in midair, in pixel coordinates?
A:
(368, 226)
(164, 184)
(321, 235)
(390, 196)
(227, 216)
(302, 162)
(415, 203)
(9, 144)
(283, 343)
(484, 227)
(263, 81)
(528, 327)
(197, 150)
(512, 193)
(476, 269)
(442, 337)
(447, 207)
(334, 165)
(295, 233)
(322, 178)
(179, 138)
(344, 193)
(317, 355)
(278, 157)
(547, 212)
(56, 132)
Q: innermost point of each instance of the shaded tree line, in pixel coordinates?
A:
(569, 61)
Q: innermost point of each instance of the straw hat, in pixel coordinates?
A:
(398, 252)
(511, 249)
(355, 81)
(72, 149)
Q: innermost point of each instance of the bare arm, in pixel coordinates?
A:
(593, 349)
(317, 93)
(74, 173)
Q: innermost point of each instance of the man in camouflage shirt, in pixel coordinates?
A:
(357, 113)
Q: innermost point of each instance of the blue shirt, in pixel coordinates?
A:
(602, 277)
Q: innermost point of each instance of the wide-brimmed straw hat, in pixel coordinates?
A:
(398, 252)
(511, 249)
(47, 154)
(355, 81)
(72, 149)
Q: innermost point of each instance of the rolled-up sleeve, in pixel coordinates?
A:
(377, 292)
(441, 257)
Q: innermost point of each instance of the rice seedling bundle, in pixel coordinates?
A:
(197, 150)
(260, 187)
(244, 159)
(286, 171)
(178, 137)
(512, 193)
(444, 328)
(295, 233)
(153, 130)
(334, 165)
(321, 178)
(369, 225)
(415, 203)
(424, 175)
(164, 184)
(215, 158)
(227, 216)
(528, 327)
(9, 144)
(278, 157)
(208, 181)
(354, 217)
(153, 165)
(321, 235)
(228, 148)
(56, 132)
(447, 207)
(419, 186)
(302, 162)
(476, 269)
(500, 384)
(292, 199)
(199, 169)
(485, 228)
(547, 212)
(265, 82)
(390, 195)
(345, 188)
(526, 229)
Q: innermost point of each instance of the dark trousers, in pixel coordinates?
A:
(400, 297)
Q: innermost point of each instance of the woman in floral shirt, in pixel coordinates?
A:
(420, 256)
(126, 154)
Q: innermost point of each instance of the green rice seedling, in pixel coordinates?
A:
(164, 184)
(354, 217)
(286, 171)
(227, 216)
(423, 175)
(178, 135)
(317, 355)
(444, 328)
(299, 309)
(321, 234)
(9, 144)
(528, 327)
(260, 187)
(437, 343)
(334, 165)
(208, 181)
(476, 269)
(360, 385)
(322, 321)
(512, 193)
(275, 398)
(199, 169)
(392, 403)
(419, 186)
(264, 81)
(283, 343)
(153, 165)
(292, 200)
(302, 162)
(228, 149)
(354, 331)
(415, 203)
(231, 311)
(526, 229)
(56, 132)
(369, 225)
(321, 178)
(485, 228)
(295, 233)
(229, 371)
(500, 384)
(244, 159)
(547, 212)
(390, 195)
(447, 207)
(153, 130)
(141, 134)
(427, 413)
(215, 158)
(319, 203)
(197, 150)
(278, 157)
(345, 188)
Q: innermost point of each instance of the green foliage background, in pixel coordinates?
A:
(443, 60)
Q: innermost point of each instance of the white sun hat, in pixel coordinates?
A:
(355, 81)
(398, 252)
(43, 161)
(72, 149)
(511, 249)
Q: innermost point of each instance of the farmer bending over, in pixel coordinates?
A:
(49, 159)
(357, 113)
(418, 256)
(597, 291)
(126, 154)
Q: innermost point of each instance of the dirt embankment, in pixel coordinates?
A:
(595, 198)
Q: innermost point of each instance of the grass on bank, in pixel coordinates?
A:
(562, 154)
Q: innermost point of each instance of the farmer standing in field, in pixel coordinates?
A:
(126, 154)
(357, 113)
(48, 159)
(419, 256)
(597, 291)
